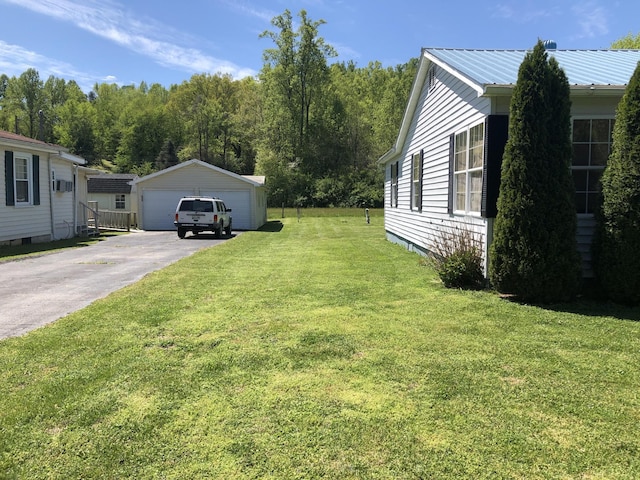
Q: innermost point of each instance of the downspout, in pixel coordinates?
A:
(75, 200)
(51, 209)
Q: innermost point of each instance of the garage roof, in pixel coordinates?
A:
(255, 180)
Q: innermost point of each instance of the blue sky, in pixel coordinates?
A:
(156, 41)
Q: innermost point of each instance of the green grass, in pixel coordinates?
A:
(317, 349)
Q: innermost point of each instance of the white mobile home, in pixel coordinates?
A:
(443, 171)
(44, 190)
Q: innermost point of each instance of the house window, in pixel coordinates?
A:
(22, 178)
(469, 154)
(592, 139)
(416, 181)
(120, 201)
(394, 184)
(431, 78)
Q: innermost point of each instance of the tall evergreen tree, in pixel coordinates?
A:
(534, 254)
(617, 263)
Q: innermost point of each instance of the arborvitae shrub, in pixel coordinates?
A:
(617, 240)
(534, 254)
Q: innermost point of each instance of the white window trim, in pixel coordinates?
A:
(29, 161)
(467, 173)
(124, 201)
(582, 214)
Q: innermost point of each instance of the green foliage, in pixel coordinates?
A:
(456, 256)
(627, 42)
(533, 253)
(617, 260)
(316, 131)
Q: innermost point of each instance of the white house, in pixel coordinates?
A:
(158, 194)
(44, 190)
(443, 172)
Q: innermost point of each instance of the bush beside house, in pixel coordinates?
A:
(534, 253)
(617, 262)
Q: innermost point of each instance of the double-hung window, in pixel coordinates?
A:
(416, 181)
(22, 180)
(468, 158)
(591, 138)
(120, 201)
(394, 184)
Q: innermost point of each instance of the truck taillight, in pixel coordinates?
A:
(176, 217)
(215, 218)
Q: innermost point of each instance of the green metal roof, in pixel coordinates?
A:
(500, 67)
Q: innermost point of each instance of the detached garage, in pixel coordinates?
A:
(158, 194)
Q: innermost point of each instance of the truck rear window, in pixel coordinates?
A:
(196, 206)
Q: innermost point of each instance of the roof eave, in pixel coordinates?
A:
(503, 90)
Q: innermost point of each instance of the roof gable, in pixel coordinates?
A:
(495, 72)
(256, 181)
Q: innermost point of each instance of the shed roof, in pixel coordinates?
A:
(111, 183)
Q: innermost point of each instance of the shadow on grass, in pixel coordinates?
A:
(272, 226)
(588, 306)
(18, 252)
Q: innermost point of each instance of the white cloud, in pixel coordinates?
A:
(524, 12)
(109, 20)
(592, 19)
(15, 60)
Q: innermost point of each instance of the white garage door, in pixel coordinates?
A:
(159, 208)
(240, 204)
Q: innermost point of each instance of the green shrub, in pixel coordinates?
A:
(616, 259)
(534, 253)
(457, 259)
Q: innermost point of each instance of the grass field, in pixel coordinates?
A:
(317, 349)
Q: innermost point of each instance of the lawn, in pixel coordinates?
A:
(317, 349)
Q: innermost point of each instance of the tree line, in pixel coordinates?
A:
(314, 128)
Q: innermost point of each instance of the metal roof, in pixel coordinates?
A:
(500, 67)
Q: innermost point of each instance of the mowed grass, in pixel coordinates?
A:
(317, 349)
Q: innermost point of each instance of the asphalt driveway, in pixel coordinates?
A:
(40, 290)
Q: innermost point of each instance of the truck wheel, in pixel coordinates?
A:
(181, 232)
(227, 229)
(218, 232)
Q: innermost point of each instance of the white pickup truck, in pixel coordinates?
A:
(202, 214)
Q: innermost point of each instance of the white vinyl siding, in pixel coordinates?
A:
(449, 107)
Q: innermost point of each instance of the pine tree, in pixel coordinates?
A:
(534, 254)
(616, 257)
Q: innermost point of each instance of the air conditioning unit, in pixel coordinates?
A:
(69, 187)
(61, 186)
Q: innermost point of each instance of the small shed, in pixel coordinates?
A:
(158, 194)
(113, 191)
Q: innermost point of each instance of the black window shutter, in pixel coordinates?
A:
(36, 180)
(452, 155)
(8, 178)
(420, 182)
(495, 139)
